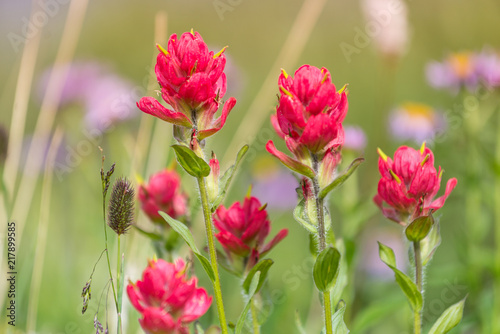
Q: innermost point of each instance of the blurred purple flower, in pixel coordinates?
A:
(354, 138)
(453, 73)
(274, 185)
(415, 121)
(106, 97)
(487, 64)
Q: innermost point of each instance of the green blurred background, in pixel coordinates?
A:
(121, 33)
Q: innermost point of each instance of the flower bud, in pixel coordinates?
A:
(213, 179)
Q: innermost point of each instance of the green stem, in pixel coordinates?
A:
(255, 321)
(118, 278)
(496, 305)
(213, 255)
(107, 253)
(320, 216)
(418, 282)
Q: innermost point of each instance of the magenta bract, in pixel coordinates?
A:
(163, 193)
(309, 117)
(193, 83)
(243, 229)
(167, 299)
(409, 184)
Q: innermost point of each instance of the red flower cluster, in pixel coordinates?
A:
(163, 193)
(409, 184)
(243, 230)
(309, 117)
(193, 83)
(167, 300)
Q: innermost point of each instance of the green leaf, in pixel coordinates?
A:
(429, 245)
(419, 228)
(343, 276)
(338, 323)
(225, 180)
(251, 292)
(206, 265)
(386, 254)
(185, 233)
(449, 319)
(405, 283)
(339, 180)
(301, 217)
(326, 269)
(193, 164)
(261, 268)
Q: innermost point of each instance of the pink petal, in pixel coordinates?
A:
(280, 236)
(196, 306)
(155, 320)
(151, 106)
(232, 244)
(219, 122)
(439, 202)
(276, 126)
(293, 164)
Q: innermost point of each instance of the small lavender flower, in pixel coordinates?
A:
(487, 66)
(121, 206)
(417, 122)
(453, 73)
(354, 138)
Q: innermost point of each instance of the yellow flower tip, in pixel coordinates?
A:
(382, 154)
(325, 77)
(262, 208)
(192, 31)
(425, 160)
(220, 52)
(139, 179)
(284, 91)
(341, 90)
(249, 192)
(162, 50)
(440, 174)
(152, 262)
(398, 180)
(422, 148)
(284, 73)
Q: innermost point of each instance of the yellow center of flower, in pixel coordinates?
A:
(418, 110)
(461, 64)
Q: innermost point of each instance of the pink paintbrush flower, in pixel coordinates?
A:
(309, 118)
(409, 184)
(193, 83)
(243, 229)
(167, 300)
(163, 193)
